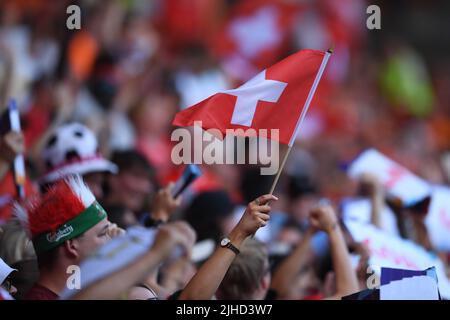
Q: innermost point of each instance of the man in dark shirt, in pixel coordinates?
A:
(38, 292)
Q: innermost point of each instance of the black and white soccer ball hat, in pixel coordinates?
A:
(73, 149)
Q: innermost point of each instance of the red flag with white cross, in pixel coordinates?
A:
(276, 98)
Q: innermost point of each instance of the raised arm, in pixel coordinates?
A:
(289, 268)
(164, 204)
(324, 218)
(11, 144)
(205, 282)
(372, 188)
(118, 283)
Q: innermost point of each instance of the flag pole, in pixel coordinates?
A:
(302, 116)
(274, 184)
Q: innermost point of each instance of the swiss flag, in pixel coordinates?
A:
(257, 32)
(273, 99)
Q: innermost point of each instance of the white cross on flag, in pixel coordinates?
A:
(276, 98)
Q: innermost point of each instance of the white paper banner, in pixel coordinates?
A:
(438, 218)
(397, 180)
(414, 288)
(393, 252)
(19, 162)
(360, 209)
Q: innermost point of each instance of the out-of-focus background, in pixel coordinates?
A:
(135, 63)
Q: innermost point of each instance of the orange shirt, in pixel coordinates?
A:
(8, 194)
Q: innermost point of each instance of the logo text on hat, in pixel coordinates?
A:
(63, 232)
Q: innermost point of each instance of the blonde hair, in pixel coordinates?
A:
(244, 276)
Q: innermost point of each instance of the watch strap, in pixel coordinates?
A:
(230, 246)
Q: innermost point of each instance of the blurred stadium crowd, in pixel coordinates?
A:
(100, 101)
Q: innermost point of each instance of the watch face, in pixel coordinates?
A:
(225, 241)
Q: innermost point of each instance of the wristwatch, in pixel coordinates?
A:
(149, 222)
(226, 243)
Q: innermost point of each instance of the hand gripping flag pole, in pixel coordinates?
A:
(302, 116)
